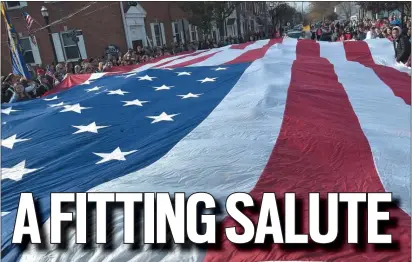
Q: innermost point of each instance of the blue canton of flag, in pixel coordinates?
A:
(99, 131)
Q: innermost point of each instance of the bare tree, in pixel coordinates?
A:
(205, 13)
(348, 8)
(282, 14)
(221, 11)
(199, 14)
(320, 10)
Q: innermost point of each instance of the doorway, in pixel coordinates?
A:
(137, 43)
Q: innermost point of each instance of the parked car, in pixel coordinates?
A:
(295, 34)
(298, 27)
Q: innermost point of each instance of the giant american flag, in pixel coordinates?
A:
(277, 115)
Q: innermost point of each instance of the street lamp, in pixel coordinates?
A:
(45, 14)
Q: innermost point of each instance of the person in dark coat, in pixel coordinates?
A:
(7, 92)
(401, 45)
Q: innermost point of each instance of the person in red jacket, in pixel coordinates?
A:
(347, 35)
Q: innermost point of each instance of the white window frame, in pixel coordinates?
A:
(174, 24)
(31, 49)
(159, 36)
(162, 34)
(64, 48)
(21, 4)
(192, 31)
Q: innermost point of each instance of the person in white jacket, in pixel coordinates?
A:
(371, 34)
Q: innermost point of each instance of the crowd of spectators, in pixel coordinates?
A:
(390, 28)
(16, 88)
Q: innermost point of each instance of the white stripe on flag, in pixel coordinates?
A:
(188, 58)
(152, 65)
(384, 119)
(226, 153)
(95, 76)
(230, 54)
(383, 53)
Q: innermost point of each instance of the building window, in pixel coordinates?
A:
(15, 4)
(193, 32)
(70, 47)
(176, 33)
(27, 51)
(158, 36)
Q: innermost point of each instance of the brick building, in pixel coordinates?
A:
(99, 27)
(102, 24)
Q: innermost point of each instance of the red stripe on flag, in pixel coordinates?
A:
(193, 61)
(241, 46)
(254, 54)
(321, 148)
(68, 82)
(184, 56)
(127, 68)
(399, 82)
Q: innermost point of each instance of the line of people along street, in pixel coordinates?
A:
(15, 88)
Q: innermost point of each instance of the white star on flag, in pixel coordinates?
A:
(51, 99)
(57, 105)
(135, 102)
(75, 108)
(220, 68)
(87, 82)
(117, 92)
(10, 141)
(117, 154)
(96, 88)
(17, 172)
(162, 117)
(183, 73)
(207, 79)
(146, 77)
(163, 87)
(7, 111)
(92, 128)
(4, 123)
(189, 95)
